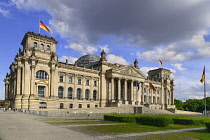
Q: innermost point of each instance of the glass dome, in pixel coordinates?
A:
(87, 60)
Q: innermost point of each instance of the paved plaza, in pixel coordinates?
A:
(20, 126)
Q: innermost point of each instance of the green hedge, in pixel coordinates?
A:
(208, 126)
(160, 121)
(156, 120)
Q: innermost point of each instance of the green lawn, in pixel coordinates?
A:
(125, 129)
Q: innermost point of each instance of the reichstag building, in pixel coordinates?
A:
(37, 80)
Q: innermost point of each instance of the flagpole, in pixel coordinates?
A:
(39, 25)
(204, 93)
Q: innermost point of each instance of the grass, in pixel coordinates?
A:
(195, 135)
(125, 129)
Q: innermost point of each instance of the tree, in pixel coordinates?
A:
(178, 104)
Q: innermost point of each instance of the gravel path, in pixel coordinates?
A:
(20, 126)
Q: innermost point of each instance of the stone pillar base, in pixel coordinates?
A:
(138, 103)
(24, 102)
(125, 102)
(119, 103)
(132, 103)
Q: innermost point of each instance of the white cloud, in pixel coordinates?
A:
(5, 13)
(171, 53)
(178, 66)
(111, 58)
(145, 70)
(105, 48)
(71, 60)
(83, 49)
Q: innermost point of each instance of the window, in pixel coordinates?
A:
(41, 91)
(60, 92)
(96, 106)
(158, 100)
(80, 106)
(41, 75)
(95, 83)
(145, 90)
(35, 44)
(70, 80)
(70, 93)
(42, 105)
(42, 46)
(145, 98)
(61, 79)
(87, 82)
(87, 94)
(154, 100)
(94, 95)
(79, 81)
(48, 48)
(71, 106)
(88, 105)
(79, 93)
(61, 105)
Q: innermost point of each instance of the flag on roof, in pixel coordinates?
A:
(41, 25)
(137, 84)
(203, 75)
(160, 62)
(152, 87)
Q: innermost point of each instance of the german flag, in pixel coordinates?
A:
(152, 87)
(160, 62)
(41, 25)
(203, 76)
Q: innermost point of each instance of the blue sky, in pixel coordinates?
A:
(177, 32)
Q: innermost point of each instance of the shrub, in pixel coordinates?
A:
(188, 121)
(153, 120)
(208, 126)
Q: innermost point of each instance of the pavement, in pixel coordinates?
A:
(20, 126)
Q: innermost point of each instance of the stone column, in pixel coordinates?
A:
(75, 87)
(138, 94)
(112, 82)
(83, 87)
(65, 86)
(32, 79)
(132, 101)
(119, 90)
(142, 93)
(125, 92)
(52, 82)
(91, 89)
(18, 81)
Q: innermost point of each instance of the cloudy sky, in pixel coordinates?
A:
(177, 32)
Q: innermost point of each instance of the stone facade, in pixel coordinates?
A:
(37, 80)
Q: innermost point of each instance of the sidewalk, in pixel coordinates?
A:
(20, 126)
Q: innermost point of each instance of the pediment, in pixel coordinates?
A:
(129, 70)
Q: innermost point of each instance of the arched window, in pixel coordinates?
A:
(42, 46)
(95, 95)
(35, 44)
(87, 94)
(79, 93)
(70, 93)
(48, 48)
(60, 92)
(41, 74)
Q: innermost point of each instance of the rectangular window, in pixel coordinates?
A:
(61, 79)
(80, 106)
(87, 82)
(79, 81)
(145, 90)
(70, 80)
(41, 91)
(95, 83)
